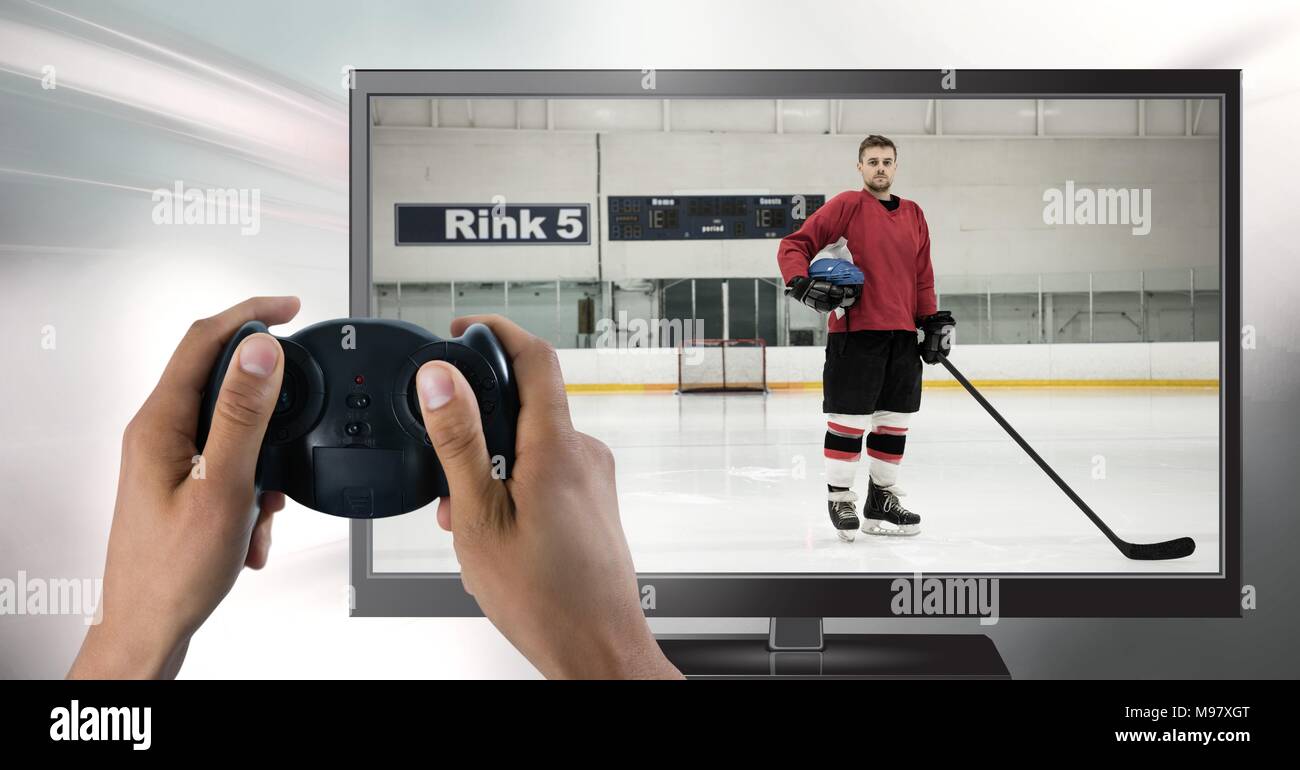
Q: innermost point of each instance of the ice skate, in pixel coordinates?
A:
(884, 515)
(844, 514)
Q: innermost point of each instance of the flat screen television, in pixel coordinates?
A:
(1083, 229)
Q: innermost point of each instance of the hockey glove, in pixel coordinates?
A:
(851, 294)
(939, 330)
(822, 296)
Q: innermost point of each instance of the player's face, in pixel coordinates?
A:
(877, 167)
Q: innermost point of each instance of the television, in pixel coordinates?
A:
(1084, 232)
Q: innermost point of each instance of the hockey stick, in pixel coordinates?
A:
(1169, 549)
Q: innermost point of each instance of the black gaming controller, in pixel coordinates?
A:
(347, 437)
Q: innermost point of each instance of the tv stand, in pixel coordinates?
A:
(796, 647)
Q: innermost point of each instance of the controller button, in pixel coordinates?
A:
(489, 383)
(487, 407)
(358, 401)
(356, 428)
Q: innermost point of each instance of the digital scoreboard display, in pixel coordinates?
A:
(709, 217)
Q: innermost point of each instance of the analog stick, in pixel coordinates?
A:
(302, 394)
(413, 401)
(290, 391)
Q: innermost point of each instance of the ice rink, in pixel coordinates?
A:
(734, 483)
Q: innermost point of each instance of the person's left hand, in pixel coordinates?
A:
(938, 335)
(184, 526)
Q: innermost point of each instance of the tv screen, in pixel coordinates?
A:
(1076, 243)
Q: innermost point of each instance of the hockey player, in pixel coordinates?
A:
(871, 384)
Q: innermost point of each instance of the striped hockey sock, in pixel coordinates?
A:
(885, 445)
(843, 447)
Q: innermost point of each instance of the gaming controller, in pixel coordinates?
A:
(347, 436)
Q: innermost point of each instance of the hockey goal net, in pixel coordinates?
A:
(719, 366)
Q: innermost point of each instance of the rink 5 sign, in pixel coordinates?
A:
(471, 224)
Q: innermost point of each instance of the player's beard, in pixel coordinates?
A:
(880, 185)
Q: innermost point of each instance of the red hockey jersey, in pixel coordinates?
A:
(891, 248)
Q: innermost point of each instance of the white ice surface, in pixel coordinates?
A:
(734, 484)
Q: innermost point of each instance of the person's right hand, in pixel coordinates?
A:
(543, 553)
(822, 296)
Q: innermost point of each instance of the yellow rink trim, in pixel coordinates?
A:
(614, 387)
(1076, 384)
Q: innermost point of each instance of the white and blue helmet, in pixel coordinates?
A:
(835, 265)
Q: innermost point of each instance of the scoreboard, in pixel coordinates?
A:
(708, 217)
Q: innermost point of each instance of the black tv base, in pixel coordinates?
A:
(796, 647)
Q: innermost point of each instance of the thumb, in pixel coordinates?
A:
(451, 416)
(244, 406)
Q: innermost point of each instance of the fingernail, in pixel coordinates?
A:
(257, 355)
(436, 387)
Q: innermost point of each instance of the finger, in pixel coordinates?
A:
(543, 404)
(244, 406)
(259, 545)
(174, 403)
(451, 417)
(272, 501)
(444, 513)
